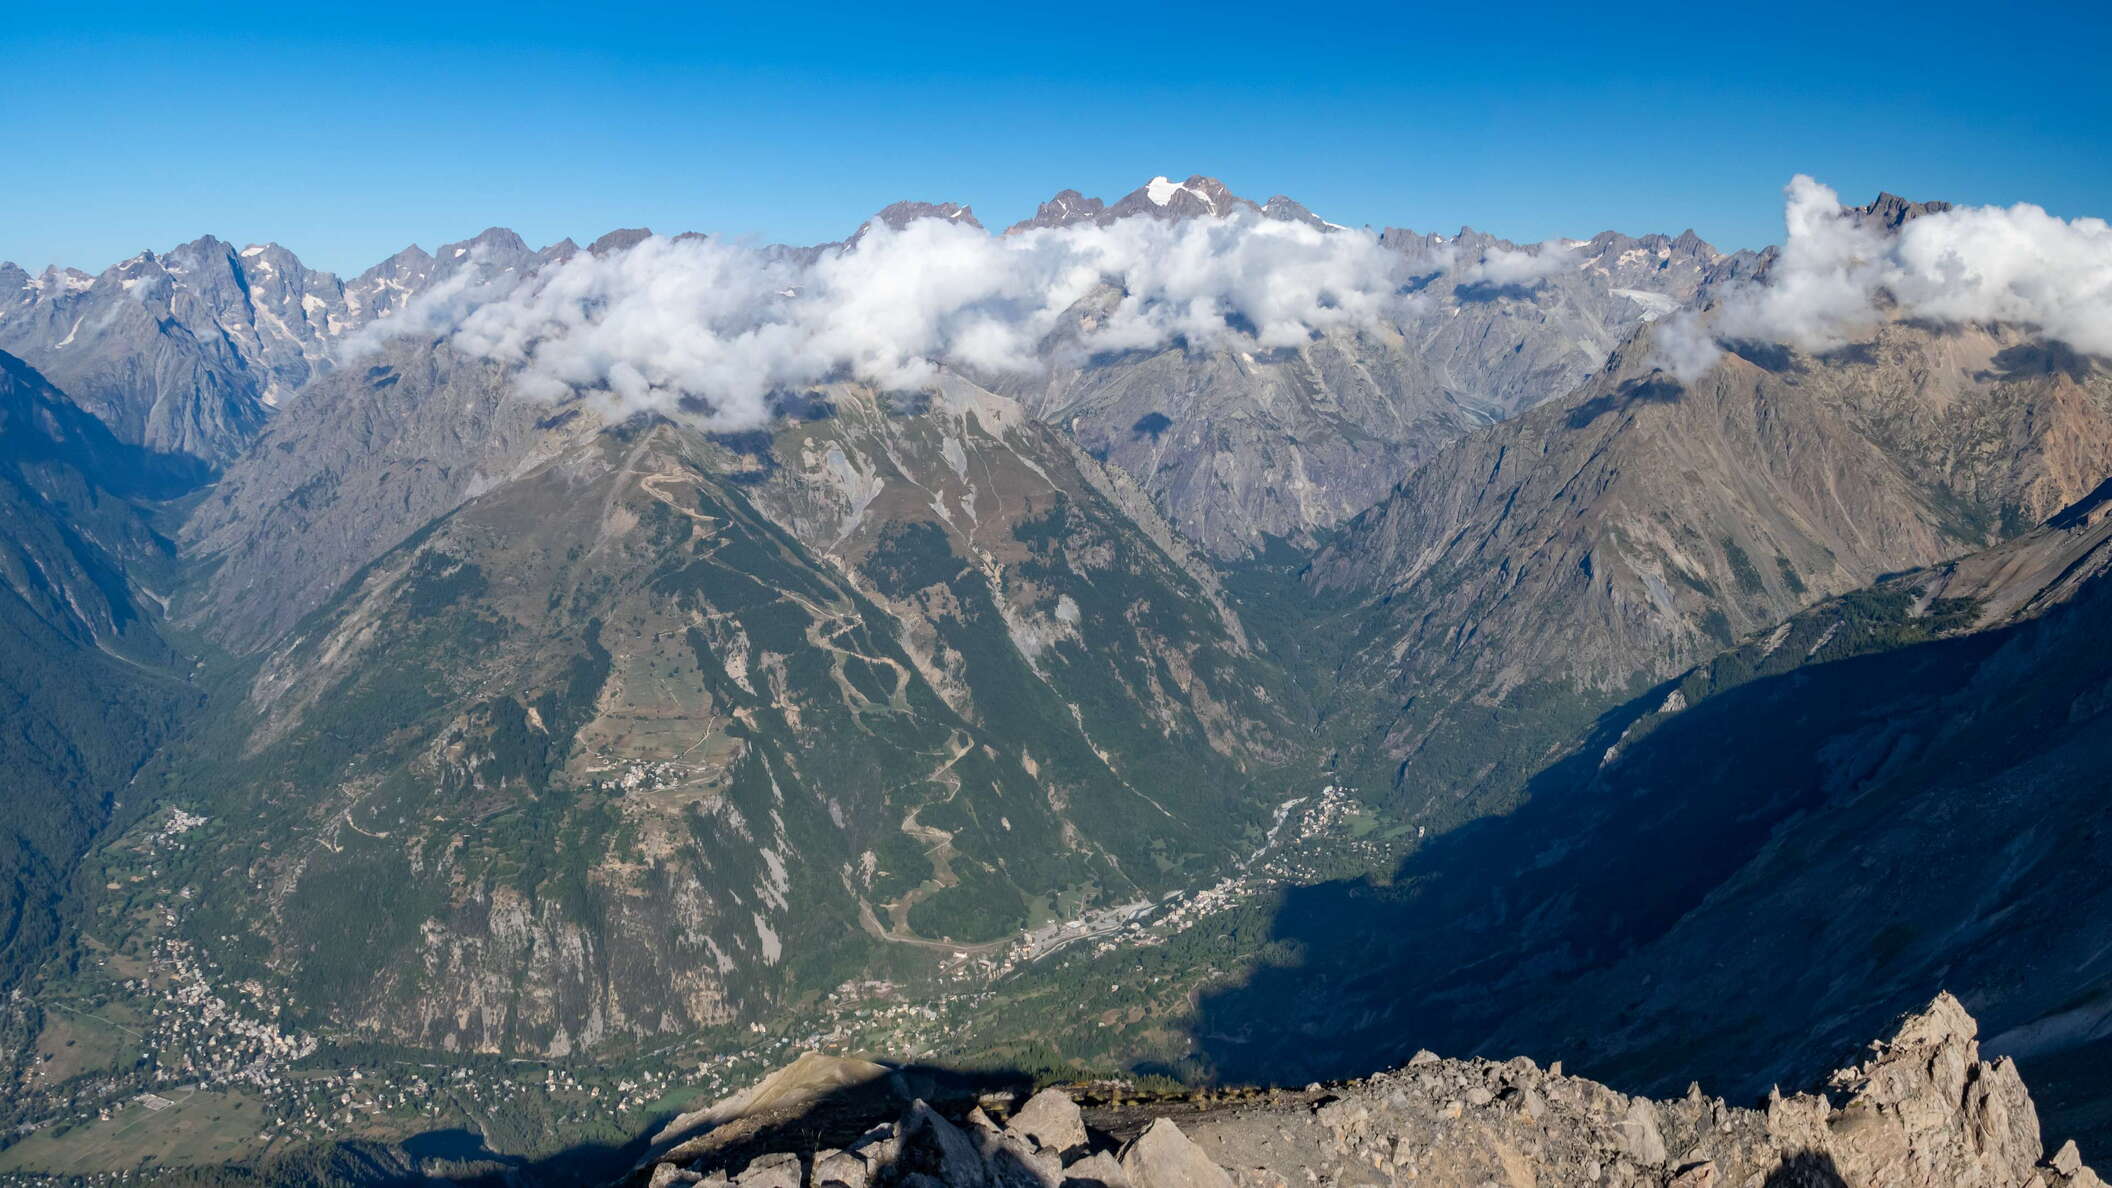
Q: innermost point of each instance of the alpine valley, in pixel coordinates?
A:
(460, 720)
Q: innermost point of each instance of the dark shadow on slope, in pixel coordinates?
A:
(2075, 514)
(43, 427)
(1811, 1169)
(1485, 292)
(1390, 966)
(1578, 926)
(2029, 359)
(757, 446)
(905, 402)
(802, 406)
(832, 1119)
(2069, 1089)
(1854, 354)
(454, 1144)
(460, 1157)
(1151, 425)
(1127, 355)
(1655, 388)
(1767, 356)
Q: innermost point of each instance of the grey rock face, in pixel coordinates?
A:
(146, 347)
(1068, 207)
(618, 240)
(900, 214)
(81, 556)
(1891, 210)
(187, 352)
(1290, 210)
(392, 284)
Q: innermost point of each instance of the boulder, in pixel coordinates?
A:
(668, 1175)
(1163, 1157)
(1098, 1170)
(778, 1170)
(1641, 1139)
(1050, 1120)
(841, 1169)
(932, 1146)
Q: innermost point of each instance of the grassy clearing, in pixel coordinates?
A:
(198, 1127)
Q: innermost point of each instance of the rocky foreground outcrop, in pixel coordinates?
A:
(1922, 1111)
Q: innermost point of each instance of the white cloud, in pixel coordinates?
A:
(1684, 346)
(2013, 264)
(1520, 266)
(726, 325)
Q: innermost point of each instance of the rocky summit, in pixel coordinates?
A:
(1921, 1109)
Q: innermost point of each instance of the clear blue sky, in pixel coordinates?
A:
(347, 136)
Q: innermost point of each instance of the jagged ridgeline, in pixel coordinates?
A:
(665, 728)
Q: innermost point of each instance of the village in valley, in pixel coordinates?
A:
(157, 1058)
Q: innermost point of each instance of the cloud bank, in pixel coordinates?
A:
(2014, 264)
(713, 328)
(1501, 265)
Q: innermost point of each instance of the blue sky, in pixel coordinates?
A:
(345, 137)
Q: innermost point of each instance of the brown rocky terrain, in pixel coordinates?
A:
(1608, 540)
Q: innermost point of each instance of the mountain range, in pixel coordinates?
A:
(1515, 693)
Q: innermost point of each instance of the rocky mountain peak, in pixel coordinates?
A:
(1691, 243)
(503, 239)
(205, 247)
(1065, 208)
(18, 284)
(495, 247)
(898, 215)
(1889, 210)
(621, 239)
(1198, 197)
(411, 265)
(1161, 198)
(1290, 210)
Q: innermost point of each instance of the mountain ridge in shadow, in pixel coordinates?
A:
(1737, 875)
